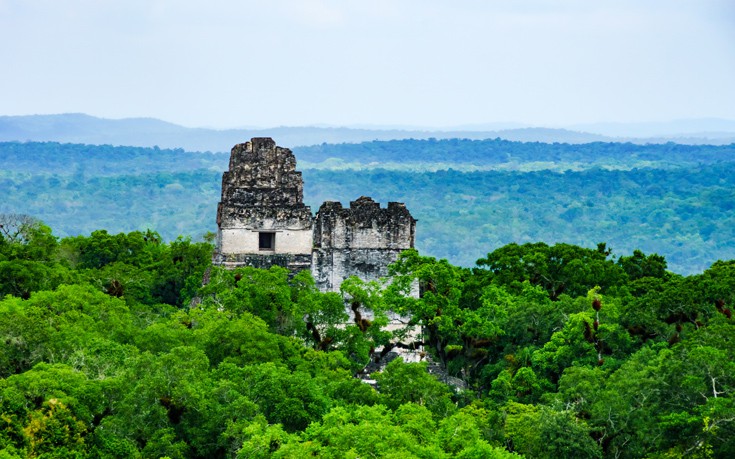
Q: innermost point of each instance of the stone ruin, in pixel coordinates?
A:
(262, 221)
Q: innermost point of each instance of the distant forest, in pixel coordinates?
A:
(509, 155)
(674, 200)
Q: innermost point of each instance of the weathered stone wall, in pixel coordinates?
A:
(262, 192)
(332, 266)
(293, 262)
(359, 241)
(245, 240)
(365, 225)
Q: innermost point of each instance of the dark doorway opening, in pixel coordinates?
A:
(266, 241)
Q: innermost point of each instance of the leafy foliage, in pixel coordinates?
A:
(115, 347)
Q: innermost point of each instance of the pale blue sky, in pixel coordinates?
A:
(220, 63)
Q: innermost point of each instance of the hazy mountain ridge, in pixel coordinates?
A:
(149, 132)
(697, 127)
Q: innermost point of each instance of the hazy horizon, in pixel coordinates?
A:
(623, 130)
(422, 64)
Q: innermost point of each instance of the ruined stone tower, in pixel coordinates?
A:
(263, 222)
(360, 241)
(262, 218)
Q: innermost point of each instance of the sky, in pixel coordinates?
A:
(417, 63)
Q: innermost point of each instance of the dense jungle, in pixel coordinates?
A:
(125, 345)
(118, 338)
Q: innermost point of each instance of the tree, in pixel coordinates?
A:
(363, 432)
(28, 256)
(561, 268)
(49, 409)
(639, 265)
(403, 383)
(263, 293)
(324, 313)
(439, 285)
(546, 433)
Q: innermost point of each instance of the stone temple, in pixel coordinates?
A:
(262, 221)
